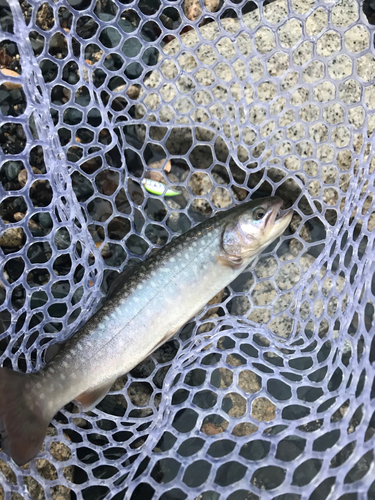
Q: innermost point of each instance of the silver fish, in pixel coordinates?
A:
(154, 303)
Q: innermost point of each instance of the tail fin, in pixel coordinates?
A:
(22, 423)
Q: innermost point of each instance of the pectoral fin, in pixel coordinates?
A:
(90, 398)
(229, 260)
(51, 351)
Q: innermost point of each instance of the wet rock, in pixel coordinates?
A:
(192, 9)
(41, 193)
(200, 183)
(133, 92)
(11, 85)
(260, 316)
(23, 175)
(45, 220)
(62, 239)
(158, 176)
(237, 405)
(82, 187)
(263, 409)
(12, 238)
(249, 381)
(140, 393)
(215, 300)
(10, 206)
(11, 169)
(60, 492)
(8, 472)
(36, 229)
(212, 429)
(18, 216)
(221, 198)
(46, 469)
(244, 429)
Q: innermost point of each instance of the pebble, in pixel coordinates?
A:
(18, 216)
(212, 430)
(22, 176)
(263, 409)
(60, 451)
(11, 85)
(295, 245)
(12, 237)
(62, 239)
(45, 220)
(12, 169)
(158, 176)
(133, 92)
(192, 9)
(244, 429)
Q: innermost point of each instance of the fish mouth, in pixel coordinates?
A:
(277, 215)
(283, 214)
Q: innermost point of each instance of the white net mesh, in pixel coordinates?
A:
(268, 394)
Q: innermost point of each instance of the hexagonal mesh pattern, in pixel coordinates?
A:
(268, 393)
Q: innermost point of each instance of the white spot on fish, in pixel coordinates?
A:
(172, 259)
(62, 376)
(38, 385)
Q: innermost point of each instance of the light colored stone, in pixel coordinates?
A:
(12, 237)
(10, 85)
(263, 409)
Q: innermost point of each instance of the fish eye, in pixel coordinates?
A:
(259, 213)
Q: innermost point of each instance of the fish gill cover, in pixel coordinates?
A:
(269, 392)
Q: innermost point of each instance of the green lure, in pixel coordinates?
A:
(158, 188)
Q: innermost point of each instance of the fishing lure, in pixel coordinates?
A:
(158, 188)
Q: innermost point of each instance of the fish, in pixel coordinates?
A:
(142, 312)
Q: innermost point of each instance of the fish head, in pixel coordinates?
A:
(253, 228)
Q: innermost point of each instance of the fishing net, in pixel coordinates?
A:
(269, 392)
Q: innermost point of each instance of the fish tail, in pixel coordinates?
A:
(23, 422)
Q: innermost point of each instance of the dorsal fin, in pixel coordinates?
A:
(119, 281)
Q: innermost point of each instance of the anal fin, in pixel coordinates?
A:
(90, 398)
